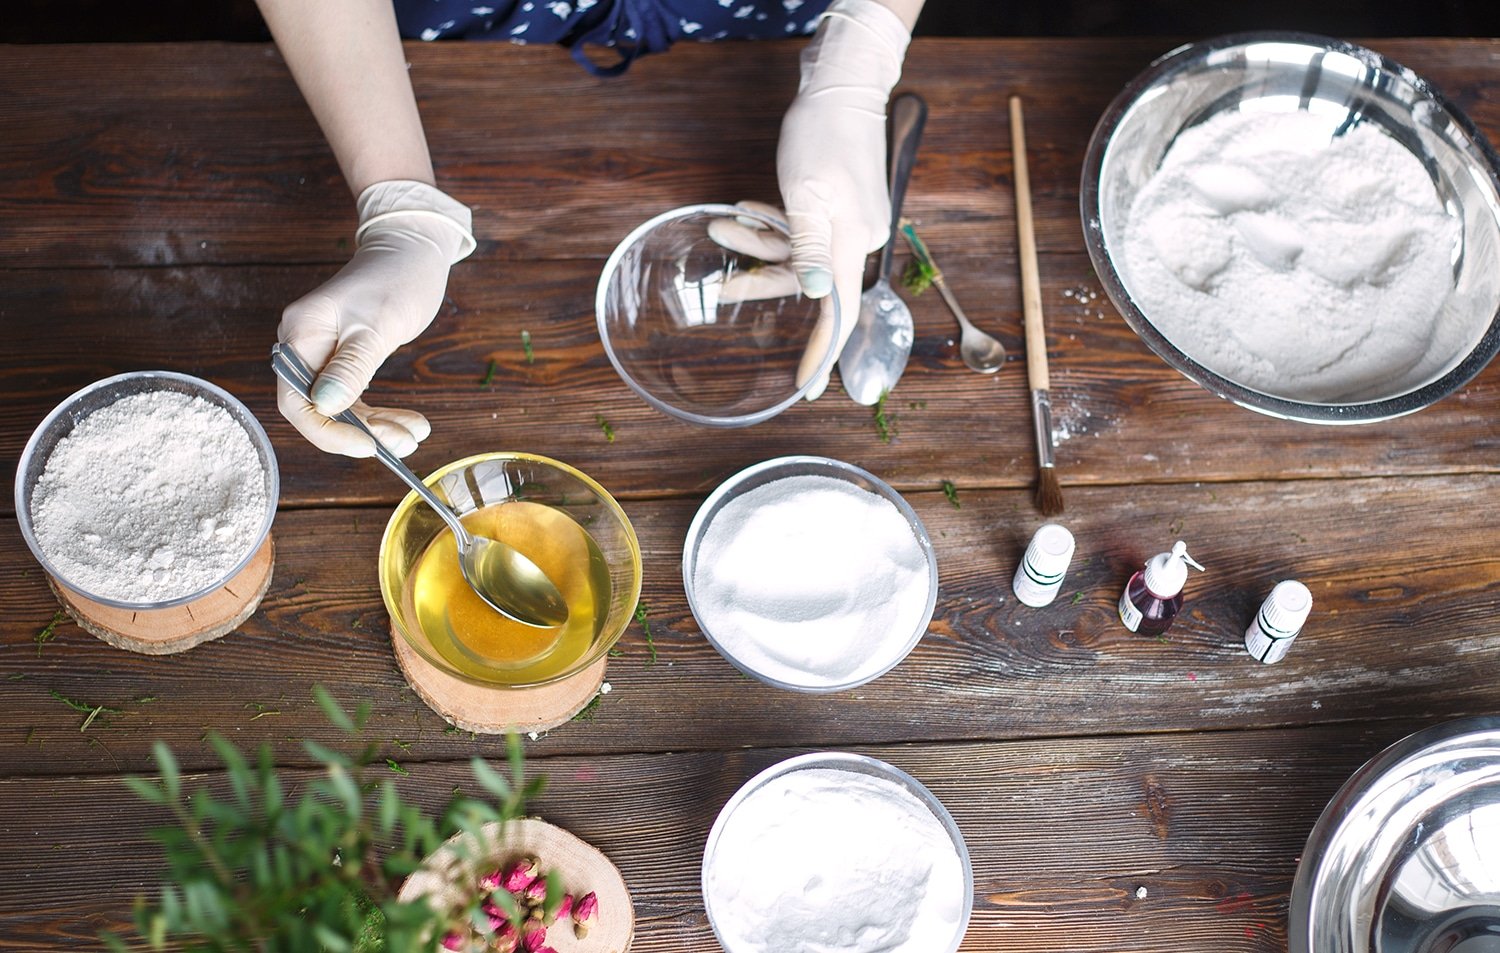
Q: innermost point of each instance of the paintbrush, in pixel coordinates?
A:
(1049, 497)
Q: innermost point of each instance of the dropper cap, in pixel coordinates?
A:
(1166, 573)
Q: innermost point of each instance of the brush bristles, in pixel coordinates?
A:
(1049, 498)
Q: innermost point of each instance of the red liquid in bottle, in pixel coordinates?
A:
(1156, 613)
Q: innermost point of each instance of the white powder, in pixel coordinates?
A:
(154, 497)
(811, 581)
(1298, 264)
(834, 861)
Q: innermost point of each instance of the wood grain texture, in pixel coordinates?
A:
(1122, 415)
(1402, 627)
(169, 155)
(1063, 835)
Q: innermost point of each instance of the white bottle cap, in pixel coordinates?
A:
(1166, 573)
(1279, 620)
(1042, 568)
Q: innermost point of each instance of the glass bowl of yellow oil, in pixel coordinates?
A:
(554, 515)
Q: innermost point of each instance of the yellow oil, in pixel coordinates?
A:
(481, 642)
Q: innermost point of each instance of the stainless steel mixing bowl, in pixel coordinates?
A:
(1406, 857)
(1346, 86)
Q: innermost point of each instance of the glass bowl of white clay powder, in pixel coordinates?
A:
(809, 574)
(1299, 225)
(147, 490)
(840, 853)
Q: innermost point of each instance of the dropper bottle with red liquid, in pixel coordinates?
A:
(1152, 597)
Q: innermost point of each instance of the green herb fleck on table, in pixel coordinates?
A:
(613, 653)
(90, 712)
(951, 492)
(146, 699)
(48, 632)
(526, 346)
(260, 710)
(605, 428)
(403, 745)
(31, 735)
(489, 374)
(587, 712)
(917, 276)
(917, 404)
(885, 423)
(1162, 639)
(19, 676)
(391, 763)
(1077, 597)
(640, 616)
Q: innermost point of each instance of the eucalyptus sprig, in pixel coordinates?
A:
(275, 867)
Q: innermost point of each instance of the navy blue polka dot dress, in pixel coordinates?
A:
(630, 28)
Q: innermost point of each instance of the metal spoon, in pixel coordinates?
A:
(980, 351)
(513, 585)
(876, 353)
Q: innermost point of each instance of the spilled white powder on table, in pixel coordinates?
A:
(1294, 264)
(811, 581)
(836, 862)
(154, 497)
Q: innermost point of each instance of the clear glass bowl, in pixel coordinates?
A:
(489, 478)
(677, 343)
(67, 415)
(856, 764)
(780, 468)
(1345, 85)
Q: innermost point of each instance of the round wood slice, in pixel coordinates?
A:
(179, 628)
(493, 711)
(449, 881)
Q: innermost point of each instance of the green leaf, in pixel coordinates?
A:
(390, 806)
(148, 791)
(332, 940)
(489, 779)
(516, 755)
(171, 777)
(553, 900)
(507, 904)
(333, 710)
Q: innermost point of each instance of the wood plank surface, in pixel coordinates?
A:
(1402, 627)
(207, 157)
(1122, 414)
(1142, 844)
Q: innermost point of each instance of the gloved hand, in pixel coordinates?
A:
(831, 160)
(409, 235)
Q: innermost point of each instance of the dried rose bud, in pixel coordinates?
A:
(536, 891)
(453, 941)
(564, 910)
(586, 908)
(493, 909)
(496, 922)
(507, 931)
(505, 943)
(534, 937)
(490, 881)
(519, 876)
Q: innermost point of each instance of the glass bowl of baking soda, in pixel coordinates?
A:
(836, 852)
(146, 490)
(1299, 225)
(809, 574)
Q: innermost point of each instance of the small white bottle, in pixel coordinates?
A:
(1279, 620)
(1040, 574)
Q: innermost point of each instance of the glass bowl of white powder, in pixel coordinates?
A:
(809, 574)
(1299, 225)
(840, 853)
(147, 490)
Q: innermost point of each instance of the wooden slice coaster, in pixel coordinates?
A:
(494, 711)
(450, 881)
(179, 628)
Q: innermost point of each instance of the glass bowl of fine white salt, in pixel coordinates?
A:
(836, 852)
(809, 574)
(1300, 225)
(147, 490)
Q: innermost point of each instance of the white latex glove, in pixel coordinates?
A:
(409, 234)
(831, 161)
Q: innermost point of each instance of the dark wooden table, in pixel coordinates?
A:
(160, 204)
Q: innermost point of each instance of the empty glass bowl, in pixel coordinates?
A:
(675, 328)
(573, 529)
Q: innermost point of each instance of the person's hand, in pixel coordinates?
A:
(831, 161)
(409, 235)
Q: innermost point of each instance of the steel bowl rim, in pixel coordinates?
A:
(1172, 62)
(602, 290)
(825, 466)
(245, 418)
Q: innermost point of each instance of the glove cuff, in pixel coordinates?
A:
(850, 31)
(402, 198)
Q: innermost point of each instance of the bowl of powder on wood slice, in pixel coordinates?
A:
(1299, 225)
(146, 490)
(809, 574)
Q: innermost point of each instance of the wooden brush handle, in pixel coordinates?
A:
(1031, 282)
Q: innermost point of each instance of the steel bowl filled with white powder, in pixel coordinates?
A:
(809, 574)
(837, 853)
(146, 490)
(1300, 225)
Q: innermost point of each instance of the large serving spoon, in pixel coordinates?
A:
(877, 349)
(511, 584)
